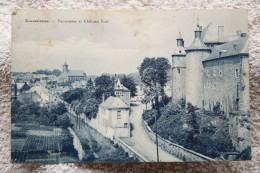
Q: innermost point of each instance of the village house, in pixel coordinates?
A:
(114, 112)
(18, 88)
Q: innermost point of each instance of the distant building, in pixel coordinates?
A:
(114, 112)
(71, 75)
(18, 88)
(139, 95)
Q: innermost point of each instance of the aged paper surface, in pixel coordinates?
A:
(129, 86)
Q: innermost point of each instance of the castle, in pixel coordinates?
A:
(212, 71)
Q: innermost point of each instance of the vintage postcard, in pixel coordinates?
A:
(129, 86)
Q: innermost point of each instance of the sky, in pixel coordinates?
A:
(118, 45)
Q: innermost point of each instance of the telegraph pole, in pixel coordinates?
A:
(158, 114)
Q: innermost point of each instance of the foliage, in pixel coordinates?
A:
(129, 83)
(71, 95)
(103, 85)
(153, 72)
(62, 121)
(193, 123)
(59, 109)
(83, 101)
(55, 72)
(32, 112)
(202, 131)
(90, 85)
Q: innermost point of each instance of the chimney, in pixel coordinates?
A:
(221, 34)
(243, 34)
(103, 98)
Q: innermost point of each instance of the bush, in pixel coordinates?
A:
(202, 131)
(63, 121)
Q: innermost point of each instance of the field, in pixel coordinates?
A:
(37, 143)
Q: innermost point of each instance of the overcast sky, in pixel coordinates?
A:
(118, 46)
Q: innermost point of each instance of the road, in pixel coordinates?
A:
(142, 143)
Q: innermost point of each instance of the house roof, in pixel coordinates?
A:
(239, 46)
(38, 88)
(113, 103)
(19, 85)
(210, 34)
(76, 73)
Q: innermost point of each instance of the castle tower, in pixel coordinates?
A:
(122, 92)
(178, 70)
(195, 54)
(65, 68)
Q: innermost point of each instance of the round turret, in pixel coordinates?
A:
(195, 54)
(178, 70)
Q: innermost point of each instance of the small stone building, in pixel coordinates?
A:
(114, 112)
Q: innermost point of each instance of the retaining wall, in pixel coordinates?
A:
(175, 149)
(131, 152)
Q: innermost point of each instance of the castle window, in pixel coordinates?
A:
(118, 114)
(179, 70)
(236, 73)
(214, 72)
(235, 47)
(208, 72)
(220, 72)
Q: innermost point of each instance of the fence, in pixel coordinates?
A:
(175, 149)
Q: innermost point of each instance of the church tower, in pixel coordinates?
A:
(195, 54)
(65, 68)
(178, 70)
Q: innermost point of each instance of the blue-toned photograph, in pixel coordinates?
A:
(129, 86)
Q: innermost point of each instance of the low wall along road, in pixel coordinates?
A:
(175, 149)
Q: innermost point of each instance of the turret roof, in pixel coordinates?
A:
(197, 44)
(179, 51)
(179, 37)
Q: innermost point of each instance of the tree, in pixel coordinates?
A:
(129, 83)
(193, 123)
(59, 109)
(90, 85)
(56, 72)
(71, 95)
(153, 72)
(104, 85)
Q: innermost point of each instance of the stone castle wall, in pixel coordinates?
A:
(194, 76)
